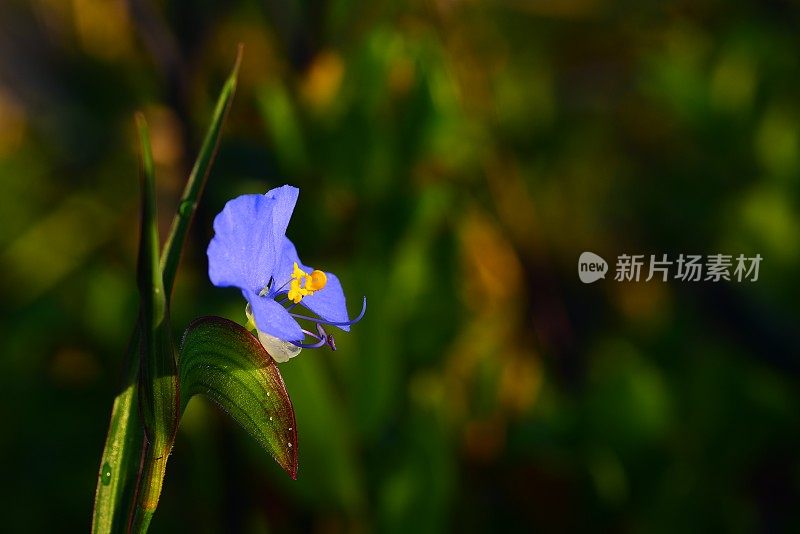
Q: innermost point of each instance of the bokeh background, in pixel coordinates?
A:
(455, 158)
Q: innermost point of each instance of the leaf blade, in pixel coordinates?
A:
(158, 374)
(197, 179)
(158, 395)
(124, 439)
(120, 459)
(223, 361)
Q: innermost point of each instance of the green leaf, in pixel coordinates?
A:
(120, 460)
(197, 179)
(222, 360)
(124, 445)
(158, 369)
(151, 285)
(158, 373)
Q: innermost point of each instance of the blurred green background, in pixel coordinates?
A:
(454, 160)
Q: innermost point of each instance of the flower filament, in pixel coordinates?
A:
(301, 284)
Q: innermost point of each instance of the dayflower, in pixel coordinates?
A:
(250, 251)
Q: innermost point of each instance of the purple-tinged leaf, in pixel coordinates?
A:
(223, 361)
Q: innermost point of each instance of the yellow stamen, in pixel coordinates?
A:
(297, 272)
(316, 281)
(296, 293)
(313, 282)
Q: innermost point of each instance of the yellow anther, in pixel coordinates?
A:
(313, 282)
(296, 293)
(297, 272)
(316, 281)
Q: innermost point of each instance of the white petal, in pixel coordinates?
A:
(281, 351)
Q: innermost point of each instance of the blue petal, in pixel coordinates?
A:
(329, 302)
(248, 236)
(273, 319)
(284, 198)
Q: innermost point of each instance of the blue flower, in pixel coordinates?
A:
(250, 251)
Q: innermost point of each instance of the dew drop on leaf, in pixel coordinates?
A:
(105, 474)
(186, 208)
